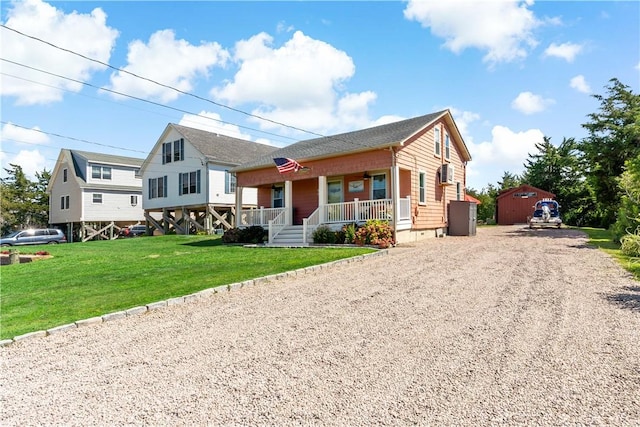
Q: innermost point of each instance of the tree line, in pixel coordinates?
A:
(596, 180)
(23, 203)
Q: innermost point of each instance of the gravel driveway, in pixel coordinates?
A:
(512, 326)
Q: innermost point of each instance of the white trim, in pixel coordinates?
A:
(422, 202)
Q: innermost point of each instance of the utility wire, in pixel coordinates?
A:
(133, 97)
(161, 84)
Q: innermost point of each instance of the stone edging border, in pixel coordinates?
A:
(186, 299)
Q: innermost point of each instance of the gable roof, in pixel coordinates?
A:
(73, 157)
(377, 137)
(522, 188)
(216, 148)
(221, 148)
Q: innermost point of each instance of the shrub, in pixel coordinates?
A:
(253, 234)
(232, 235)
(323, 234)
(375, 232)
(349, 233)
(630, 244)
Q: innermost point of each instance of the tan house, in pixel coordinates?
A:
(405, 172)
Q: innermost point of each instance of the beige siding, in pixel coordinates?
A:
(418, 156)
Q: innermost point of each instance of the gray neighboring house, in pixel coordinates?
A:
(94, 195)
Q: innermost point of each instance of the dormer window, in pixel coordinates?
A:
(100, 172)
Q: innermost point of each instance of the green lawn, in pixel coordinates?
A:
(603, 240)
(89, 279)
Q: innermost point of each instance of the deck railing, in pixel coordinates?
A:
(258, 216)
(276, 225)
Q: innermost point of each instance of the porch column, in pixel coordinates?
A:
(395, 194)
(288, 202)
(323, 197)
(237, 220)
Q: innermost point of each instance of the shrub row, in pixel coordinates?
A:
(373, 232)
(253, 234)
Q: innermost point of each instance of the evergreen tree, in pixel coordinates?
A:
(509, 180)
(559, 170)
(614, 137)
(23, 203)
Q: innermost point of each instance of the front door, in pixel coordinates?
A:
(334, 196)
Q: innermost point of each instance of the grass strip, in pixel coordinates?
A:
(603, 240)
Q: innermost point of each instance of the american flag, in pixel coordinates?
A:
(285, 165)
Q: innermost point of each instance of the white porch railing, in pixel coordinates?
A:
(258, 216)
(356, 211)
(276, 225)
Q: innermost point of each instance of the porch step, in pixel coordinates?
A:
(290, 235)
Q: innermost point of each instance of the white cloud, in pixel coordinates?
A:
(529, 103)
(504, 29)
(638, 66)
(566, 51)
(580, 84)
(463, 120)
(31, 161)
(20, 135)
(211, 122)
(86, 34)
(164, 59)
(299, 83)
(507, 151)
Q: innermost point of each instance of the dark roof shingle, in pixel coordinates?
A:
(359, 140)
(223, 149)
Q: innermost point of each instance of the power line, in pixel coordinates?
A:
(161, 84)
(132, 97)
(72, 138)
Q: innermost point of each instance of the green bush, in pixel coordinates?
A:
(630, 244)
(375, 232)
(349, 233)
(323, 234)
(253, 234)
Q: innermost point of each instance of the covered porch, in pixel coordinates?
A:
(293, 209)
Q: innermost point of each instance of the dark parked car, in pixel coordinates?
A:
(35, 236)
(133, 231)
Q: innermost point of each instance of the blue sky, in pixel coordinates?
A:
(510, 71)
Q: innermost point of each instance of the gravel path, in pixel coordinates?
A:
(511, 326)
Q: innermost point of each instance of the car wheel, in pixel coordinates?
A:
(53, 242)
(4, 245)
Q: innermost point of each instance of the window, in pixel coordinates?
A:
(157, 187)
(166, 153)
(173, 151)
(458, 191)
(64, 202)
(277, 195)
(334, 192)
(379, 187)
(97, 198)
(229, 183)
(447, 147)
(100, 172)
(178, 150)
(189, 183)
(422, 186)
(134, 200)
(436, 141)
(64, 175)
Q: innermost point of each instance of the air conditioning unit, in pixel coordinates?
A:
(446, 174)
